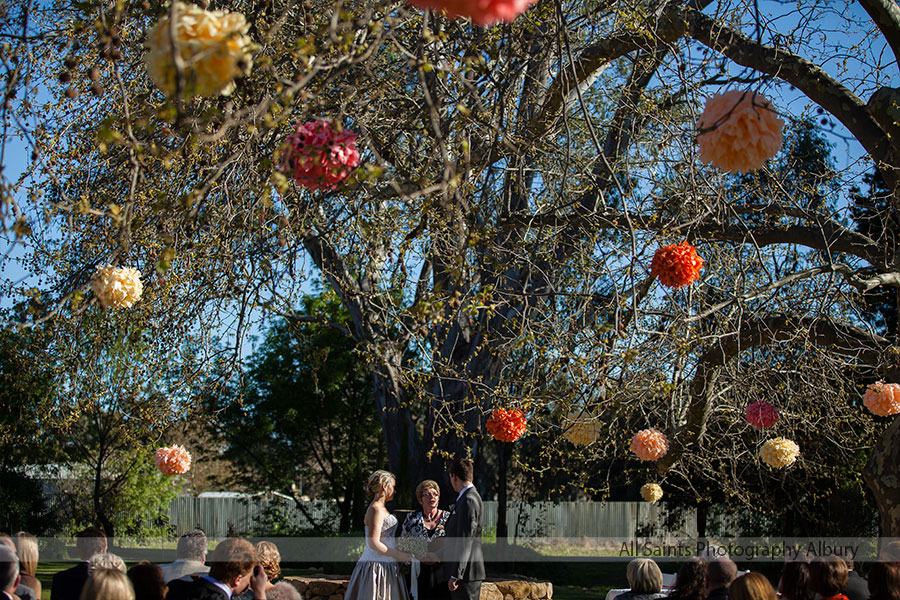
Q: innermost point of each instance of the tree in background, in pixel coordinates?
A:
(304, 422)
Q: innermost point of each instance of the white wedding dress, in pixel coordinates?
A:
(377, 576)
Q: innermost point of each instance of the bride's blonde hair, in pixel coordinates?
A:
(377, 481)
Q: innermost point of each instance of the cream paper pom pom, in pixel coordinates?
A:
(582, 430)
(883, 399)
(739, 131)
(117, 287)
(779, 452)
(651, 492)
(212, 45)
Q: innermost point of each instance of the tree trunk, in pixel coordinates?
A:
(882, 475)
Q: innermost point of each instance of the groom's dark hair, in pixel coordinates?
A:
(462, 468)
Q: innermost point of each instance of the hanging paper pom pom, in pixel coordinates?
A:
(676, 265)
(761, 414)
(173, 460)
(739, 131)
(507, 425)
(649, 444)
(779, 452)
(482, 12)
(883, 399)
(117, 287)
(582, 430)
(318, 156)
(212, 45)
(651, 492)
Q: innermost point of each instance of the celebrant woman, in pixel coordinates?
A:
(427, 526)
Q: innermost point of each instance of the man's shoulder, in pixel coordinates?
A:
(76, 571)
(196, 588)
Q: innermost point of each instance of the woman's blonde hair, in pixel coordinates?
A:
(428, 484)
(269, 559)
(377, 481)
(644, 576)
(107, 584)
(751, 586)
(27, 547)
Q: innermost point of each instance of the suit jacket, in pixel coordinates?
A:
(465, 560)
(857, 587)
(182, 568)
(195, 589)
(67, 584)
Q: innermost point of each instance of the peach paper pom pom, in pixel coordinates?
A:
(676, 265)
(582, 430)
(779, 452)
(739, 131)
(651, 492)
(883, 399)
(482, 12)
(761, 414)
(173, 460)
(117, 287)
(649, 444)
(318, 156)
(507, 425)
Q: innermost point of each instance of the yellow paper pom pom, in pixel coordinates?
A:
(779, 452)
(651, 492)
(117, 287)
(582, 430)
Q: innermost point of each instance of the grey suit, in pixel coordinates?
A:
(465, 560)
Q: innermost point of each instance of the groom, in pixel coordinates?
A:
(465, 563)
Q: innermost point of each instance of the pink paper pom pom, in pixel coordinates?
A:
(482, 12)
(761, 414)
(649, 444)
(318, 156)
(739, 131)
(883, 399)
(173, 460)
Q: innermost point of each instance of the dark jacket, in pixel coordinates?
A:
(857, 587)
(67, 584)
(465, 560)
(718, 594)
(196, 589)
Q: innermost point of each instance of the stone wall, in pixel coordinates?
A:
(329, 587)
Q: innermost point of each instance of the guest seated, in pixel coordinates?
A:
(719, 575)
(829, 577)
(9, 572)
(283, 591)
(147, 580)
(190, 556)
(795, 582)
(645, 580)
(690, 583)
(429, 525)
(67, 584)
(270, 561)
(106, 560)
(22, 591)
(751, 586)
(857, 586)
(234, 569)
(27, 548)
(884, 581)
(107, 584)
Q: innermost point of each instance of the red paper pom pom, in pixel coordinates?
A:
(676, 265)
(761, 414)
(318, 156)
(482, 12)
(507, 425)
(649, 444)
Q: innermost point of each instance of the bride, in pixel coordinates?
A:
(377, 574)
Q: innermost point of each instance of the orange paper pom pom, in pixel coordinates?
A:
(676, 265)
(507, 425)
(173, 461)
(649, 444)
(883, 399)
(739, 131)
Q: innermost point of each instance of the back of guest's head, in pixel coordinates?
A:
(232, 558)
(884, 580)
(720, 573)
(751, 586)
(795, 581)
(27, 547)
(147, 581)
(269, 559)
(463, 469)
(377, 482)
(891, 551)
(690, 582)
(9, 569)
(192, 546)
(106, 560)
(829, 575)
(90, 541)
(644, 576)
(107, 584)
(283, 591)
